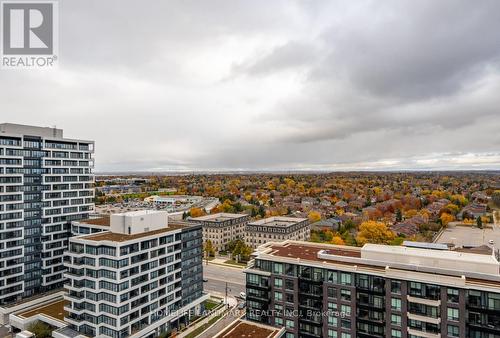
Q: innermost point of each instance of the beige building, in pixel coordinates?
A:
(277, 229)
(222, 228)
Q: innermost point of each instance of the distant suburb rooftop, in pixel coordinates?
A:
(219, 217)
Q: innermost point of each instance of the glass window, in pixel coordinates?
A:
(395, 333)
(332, 277)
(332, 292)
(452, 314)
(453, 331)
(396, 320)
(493, 301)
(332, 333)
(278, 296)
(396, 287)
(452, 295)
(345, 278)
(396, 304)
(278, 268)
(278, 321)
(332, 321)
(345, 295)
(278, 282)
(346, 310)
(290, 324)
(345, 335)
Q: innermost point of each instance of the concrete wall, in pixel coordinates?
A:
(139, 221)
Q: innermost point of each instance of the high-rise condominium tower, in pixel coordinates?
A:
(46, 182)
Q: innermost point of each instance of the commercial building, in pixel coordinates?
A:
(276, 229)
(140, 278)
(46, 181)
(424, 290)
(222, 228)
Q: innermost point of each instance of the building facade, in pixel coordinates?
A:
(222, 228)
(138, 279)
(333, 291)
(276, 229)
(46, 181)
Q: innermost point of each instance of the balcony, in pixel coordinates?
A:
(424, 301)
(423, 334)
(425, 319)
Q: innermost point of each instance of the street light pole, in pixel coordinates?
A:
(226, 296)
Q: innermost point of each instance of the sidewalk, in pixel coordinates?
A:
(222, 262)
(222, 312)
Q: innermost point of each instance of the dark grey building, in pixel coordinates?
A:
(46, 181)
(332, 291)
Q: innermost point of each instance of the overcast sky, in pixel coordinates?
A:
(271, 85)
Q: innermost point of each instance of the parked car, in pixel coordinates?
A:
(243, 295)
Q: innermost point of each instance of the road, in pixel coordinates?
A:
(218, 276)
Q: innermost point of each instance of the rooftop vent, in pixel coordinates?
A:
(422, 245)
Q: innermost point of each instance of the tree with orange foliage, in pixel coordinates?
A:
(374, 232)
(196, 212)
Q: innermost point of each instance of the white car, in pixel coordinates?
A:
(491, 241)
(243, 295)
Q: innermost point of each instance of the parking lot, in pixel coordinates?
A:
(467, 235)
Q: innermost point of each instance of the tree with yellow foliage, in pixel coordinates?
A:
(314, 216)
(446, 218)
(337, 240)
(374, 232)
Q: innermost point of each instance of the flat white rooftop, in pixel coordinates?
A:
(443, 259)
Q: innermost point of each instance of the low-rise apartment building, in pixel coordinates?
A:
(138, 279)
(277, 229)
(411, 291)
(222, 228)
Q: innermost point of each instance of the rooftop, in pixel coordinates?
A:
(13, 128)
(244, 328)
(102, 221)
(479, 263)
(219, 217)
(310, 252)
(278, 221)
(54, 310)
(120, 237)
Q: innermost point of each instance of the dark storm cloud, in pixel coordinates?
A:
(190, 85)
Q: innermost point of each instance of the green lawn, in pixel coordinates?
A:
(210, 305)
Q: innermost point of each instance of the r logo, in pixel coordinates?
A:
(28, 28)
